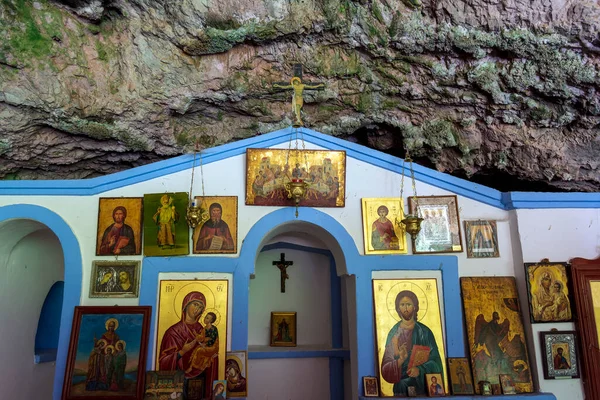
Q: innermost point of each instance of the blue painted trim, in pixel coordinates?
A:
(48, 329)
(336, 378)
(45, 355)
(529, 396)
(264, 355)
(455, 185)
(72, 279)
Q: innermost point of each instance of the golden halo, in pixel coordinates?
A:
(397, 288)
(101, 341)
(113, 320)
(295, 79)
(212, 310)
(239, 363)
(123, 343)
(193, 287)
(110, 346)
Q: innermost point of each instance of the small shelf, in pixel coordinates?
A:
(302, 351)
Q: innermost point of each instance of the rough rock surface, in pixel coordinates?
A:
(498, 91)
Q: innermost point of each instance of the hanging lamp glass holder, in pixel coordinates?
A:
(196, 214)
(411, 222)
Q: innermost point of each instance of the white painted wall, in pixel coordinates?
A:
(32, 265)
(559, 235)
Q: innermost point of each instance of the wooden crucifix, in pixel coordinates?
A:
(298, 86)
(283, 265)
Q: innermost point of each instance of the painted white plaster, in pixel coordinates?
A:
(30, 268)
(288, 379)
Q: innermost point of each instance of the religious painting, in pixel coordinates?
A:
(217, 234)
(283, 329)
(107, 353)
(219, 390)
(482, 239)
(166, 232)
(507, 384)
(192, 332)
(115, 279)
(370, 386)
(560, 357)
(119, 230)
(383, 231)
(440, 229)
(236, 373)
(495, 331)
(409, 333)
(412, 391)
(459, 371)
(548, 289)
(268, 171)
(164, 385)
(435, 385)
(485, 388)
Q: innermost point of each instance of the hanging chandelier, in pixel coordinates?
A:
(296, 187)
(196, 213)
(412, 222)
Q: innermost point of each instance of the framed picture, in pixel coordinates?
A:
(507, 384)
(164, 384)
(119, 226)
(440, 229)
(459, 371)
(482, 239)
(495, 333)
(412, 391)
(115, 279)
(383, 231)
(549, 291)
(219, 390)
(268, 170)
(107, 353)
(485, 388)
(283, 329)
(408, 301)
(193, 311)
(236, 373)
(217, 235)
(435, 385)
(560, 357)
(370, 386)
(166, 232)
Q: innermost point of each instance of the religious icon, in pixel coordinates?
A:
(219, 391)
(192, 332)
(164, 385)
(370, 386)
(383, 231)
(482, 239)
(485, 388)
(560, 357)
(412, 391)
(459, 372)
(409, 334)
(440, 229)
(435, 385)
(115, 279)
(119, 226)
(507, 384)
(218, 235)
(268, 170)
(283, 329)
(166, 232)
(107, 353)
(548, 290)
(236, 373)
(495, 331)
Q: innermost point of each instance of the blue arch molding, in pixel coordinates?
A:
(492, 197)
(46, 337)
(73, 275)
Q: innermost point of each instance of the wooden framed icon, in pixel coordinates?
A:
(283, 329)
(435, 385)
(119, 230)
(459, 373)
(218, 234)
(507, 384)
(166, 232)
(549, 291)
(560, 355)
(236, 373)
(370, 386)
(107, 353)
(115, 279)
(481, 238)
(382, 230)
(440, 229)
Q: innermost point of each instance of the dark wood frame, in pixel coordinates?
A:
(365, 378)
(568, 285)
(84, 310)
(470, 373)
(450, 198)
(547, 357)
(582, 271)
(139, 233)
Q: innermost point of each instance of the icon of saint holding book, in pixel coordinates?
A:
(410, 349)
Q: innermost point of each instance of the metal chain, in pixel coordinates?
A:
(193, 169)
(414, 183)
(305, 154)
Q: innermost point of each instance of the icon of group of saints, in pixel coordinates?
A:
(107, 361)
